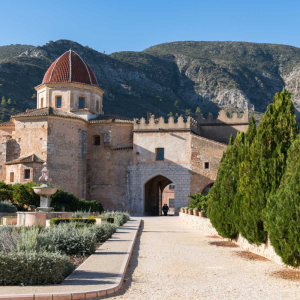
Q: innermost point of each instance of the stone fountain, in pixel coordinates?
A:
(44, 214)
(45, 191)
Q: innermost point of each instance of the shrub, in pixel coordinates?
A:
(102, 232)
(23, 194)
(6, 206)
(198, 201)
(32, 268)
(57, 221)
(82, 214)
(6, 191)
(93, 205)
(62, 198)
(109, 219)
(69, 239)
(72, 203)
(120, 218)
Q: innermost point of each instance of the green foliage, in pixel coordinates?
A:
(283, 211)
(176, 103)
(198, 110)
(222, 194)
(6, 206)
(57, 221)
(109, 219)
(72, 203)
(3, 102)
(260, 175)
(103, 232)
(23, 194)
(69, 238)
(120, 218)
(198, 201)
(33, 268)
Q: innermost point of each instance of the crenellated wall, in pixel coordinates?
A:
(221, 128)
(160, 124)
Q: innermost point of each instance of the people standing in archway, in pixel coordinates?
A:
(165, 209)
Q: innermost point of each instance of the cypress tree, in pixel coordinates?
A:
(283, 211)
(261, 176)
(221, 195)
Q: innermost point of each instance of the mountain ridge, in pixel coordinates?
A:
(172, 77)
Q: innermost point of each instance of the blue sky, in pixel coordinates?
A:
(122, 25)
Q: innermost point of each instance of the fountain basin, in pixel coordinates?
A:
(44, 190)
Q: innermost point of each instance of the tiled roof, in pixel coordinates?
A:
(48, 111)
(111, 118)
(70, 67)
(28, 159)
(8, 123)
(122, 148)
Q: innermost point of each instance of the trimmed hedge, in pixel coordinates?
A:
(57, 221)
(109, 219)
(32, 268)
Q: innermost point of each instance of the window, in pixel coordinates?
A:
(58, 102)
(12, 176)
(97, 105)
(27, 174)
(171, 186)
(42, 102)
(97, 140)
(160, 154)
(81, 103)
(206, 165)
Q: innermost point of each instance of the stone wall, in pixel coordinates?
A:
(139, 175)
(107, 164)
(265, 250)
(221, 128)
(204, 150)
(66, 154)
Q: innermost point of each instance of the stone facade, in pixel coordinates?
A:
(124, 164)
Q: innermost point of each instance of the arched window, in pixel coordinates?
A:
(42, 102)
(97, 140)
(97, 106)
(58, 101)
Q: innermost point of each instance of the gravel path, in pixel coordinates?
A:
(172, 260)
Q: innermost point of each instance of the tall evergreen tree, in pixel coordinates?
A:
(267, 159)
(221, 195)
(283, 211)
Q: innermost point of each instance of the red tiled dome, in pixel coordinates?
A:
(70, 67)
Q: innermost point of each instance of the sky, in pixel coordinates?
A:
(134, 25)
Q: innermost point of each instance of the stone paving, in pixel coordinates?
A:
(172, 260)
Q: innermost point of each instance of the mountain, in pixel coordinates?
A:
(173, 77)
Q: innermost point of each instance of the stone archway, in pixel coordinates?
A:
(153, 190)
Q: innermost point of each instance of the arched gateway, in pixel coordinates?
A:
(153, 195)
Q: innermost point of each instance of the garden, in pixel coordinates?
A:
(38, 255)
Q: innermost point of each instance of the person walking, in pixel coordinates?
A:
(165, 209)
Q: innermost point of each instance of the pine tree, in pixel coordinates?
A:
(283, 211)
(221, 195)
(260, 176)
(9, 101)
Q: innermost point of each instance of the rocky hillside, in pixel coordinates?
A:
(173, 77)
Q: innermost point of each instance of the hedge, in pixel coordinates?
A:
(6, 206)
(109, 219)
(32, 268)
(56, 221)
